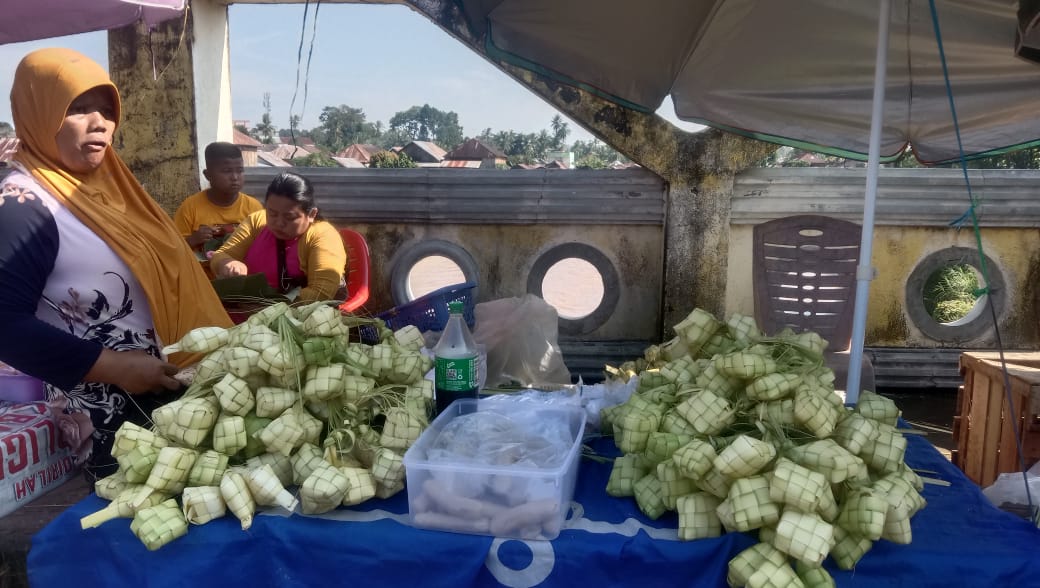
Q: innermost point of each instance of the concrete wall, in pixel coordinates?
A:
(912, 238)
(506, 221)
(914, 210)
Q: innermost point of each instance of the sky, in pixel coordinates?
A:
(382, 59)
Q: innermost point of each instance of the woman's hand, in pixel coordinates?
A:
(135, 372)
(231, 268)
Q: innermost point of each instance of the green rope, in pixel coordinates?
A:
(982, 256)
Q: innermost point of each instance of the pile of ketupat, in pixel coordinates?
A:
(741, 432)
(283, 399)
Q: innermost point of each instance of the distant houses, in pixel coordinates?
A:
(263, 158)
(472, 153)
(360, 152)
(286, 152)
(424, 153)
(248, 146)
(348, 162)
(477, 150)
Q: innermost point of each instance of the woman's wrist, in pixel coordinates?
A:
(105, 368)
(217, 262)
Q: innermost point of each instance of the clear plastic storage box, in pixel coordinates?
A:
(492, 468)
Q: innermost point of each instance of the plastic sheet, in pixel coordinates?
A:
(520, 335)
(524, 439)
(1009, 490)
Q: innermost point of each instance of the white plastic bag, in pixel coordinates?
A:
(1010, 489)
(520, 336)
(596, 397)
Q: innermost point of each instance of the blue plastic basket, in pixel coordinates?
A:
(428, 312)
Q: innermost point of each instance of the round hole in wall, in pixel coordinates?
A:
(973, 320)
(433, 272)
(427, 266)
(560, 288)
(581, 275)
(950, 294)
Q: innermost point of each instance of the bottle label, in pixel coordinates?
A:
(455, 374)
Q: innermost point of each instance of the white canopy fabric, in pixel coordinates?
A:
(855, 78)
(29, 20)
(797, 72)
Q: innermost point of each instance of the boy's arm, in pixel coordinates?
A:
(185, 221)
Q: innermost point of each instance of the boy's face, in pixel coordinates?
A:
(225, 175)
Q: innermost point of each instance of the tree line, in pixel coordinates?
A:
(345, 125)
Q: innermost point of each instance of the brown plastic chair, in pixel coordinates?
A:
(804, 270)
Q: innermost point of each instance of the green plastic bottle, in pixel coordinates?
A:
(455, 361)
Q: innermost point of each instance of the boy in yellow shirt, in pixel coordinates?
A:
(215, 212)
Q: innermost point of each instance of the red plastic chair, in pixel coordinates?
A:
(357, 270)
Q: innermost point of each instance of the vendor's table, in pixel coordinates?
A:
(959, 540)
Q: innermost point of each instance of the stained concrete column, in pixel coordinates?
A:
(156, 137)
(175, 85)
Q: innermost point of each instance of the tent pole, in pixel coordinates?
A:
(864, 270)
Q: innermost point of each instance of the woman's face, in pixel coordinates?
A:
(86, 133)
(286, 218)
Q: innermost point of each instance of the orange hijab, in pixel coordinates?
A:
(109, 199)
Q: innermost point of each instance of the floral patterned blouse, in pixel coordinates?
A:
(65, 294)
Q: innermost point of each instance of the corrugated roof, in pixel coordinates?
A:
(286, 152)
(266, 159)
(360, 151)
(243, 140)
(424, 151)
(8, 145)
(462, 163)
(348, 162)
(305, 141)
(475, 149)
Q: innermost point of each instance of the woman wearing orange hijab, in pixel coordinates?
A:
(94, 277)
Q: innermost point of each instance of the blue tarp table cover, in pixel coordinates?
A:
(959, 540)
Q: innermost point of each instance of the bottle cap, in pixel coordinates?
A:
(455, 307)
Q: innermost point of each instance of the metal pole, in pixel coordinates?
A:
(865, 271)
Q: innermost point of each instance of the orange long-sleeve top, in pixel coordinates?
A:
(322, 255)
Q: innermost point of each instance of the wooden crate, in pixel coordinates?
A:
(983, 428)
